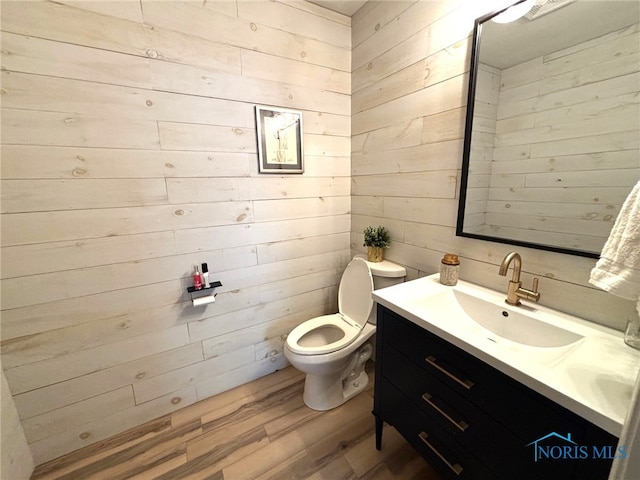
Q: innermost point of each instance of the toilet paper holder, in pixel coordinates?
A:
(198, 300)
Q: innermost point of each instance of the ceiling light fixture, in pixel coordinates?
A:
(515, 12)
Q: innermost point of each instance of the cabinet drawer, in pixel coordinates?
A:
(440, 449)
(527, 414)
(495, 446)
(452, 411)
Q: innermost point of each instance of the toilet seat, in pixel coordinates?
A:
(329, 333)
(324, 334)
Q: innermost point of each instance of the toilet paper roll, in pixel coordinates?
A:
(203, 300)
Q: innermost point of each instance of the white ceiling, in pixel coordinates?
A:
(504, 45)
(346, 7)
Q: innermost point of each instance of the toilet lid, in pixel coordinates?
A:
(354, 296)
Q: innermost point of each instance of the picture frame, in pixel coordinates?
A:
(279, 135)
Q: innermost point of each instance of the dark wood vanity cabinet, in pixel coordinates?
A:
(471, 421)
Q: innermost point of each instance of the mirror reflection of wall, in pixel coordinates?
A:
(555, 145)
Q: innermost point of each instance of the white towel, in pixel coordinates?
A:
(618, 272)
(618, 269)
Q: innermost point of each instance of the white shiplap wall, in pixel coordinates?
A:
(15, 455)
(410, 74)
(129, 156)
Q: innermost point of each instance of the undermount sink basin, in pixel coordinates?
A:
(522, 324)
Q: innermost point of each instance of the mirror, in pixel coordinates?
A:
(552, 139)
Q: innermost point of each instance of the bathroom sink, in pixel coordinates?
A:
(522, 325)
(514, 325)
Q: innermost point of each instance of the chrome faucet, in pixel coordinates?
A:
(515, 291)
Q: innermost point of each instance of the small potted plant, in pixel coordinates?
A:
(376, 239)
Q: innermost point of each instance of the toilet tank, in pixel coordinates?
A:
(385, 274)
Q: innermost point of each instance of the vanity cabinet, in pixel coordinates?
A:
(471, 421)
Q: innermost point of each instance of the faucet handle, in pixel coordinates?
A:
(532, 294)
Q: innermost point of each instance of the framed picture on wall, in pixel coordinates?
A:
(279, 132)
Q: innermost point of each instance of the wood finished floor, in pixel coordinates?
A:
(261, 430)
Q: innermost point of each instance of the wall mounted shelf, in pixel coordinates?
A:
(203, 299)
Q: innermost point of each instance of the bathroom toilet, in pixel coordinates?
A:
(332, 349)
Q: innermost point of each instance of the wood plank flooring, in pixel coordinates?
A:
(261, 430)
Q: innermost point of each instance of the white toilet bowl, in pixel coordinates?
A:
(332, 349)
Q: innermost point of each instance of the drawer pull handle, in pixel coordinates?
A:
(461, 424)
(455, 467)
(431, 360)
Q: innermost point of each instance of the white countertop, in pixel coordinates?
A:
(593, 378)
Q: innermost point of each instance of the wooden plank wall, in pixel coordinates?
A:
(16, 461)
(568, 121)
(128, 157)
(410, 74)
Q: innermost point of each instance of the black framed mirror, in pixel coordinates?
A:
(552, 135)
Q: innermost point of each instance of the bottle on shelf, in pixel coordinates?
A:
(197, 279)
